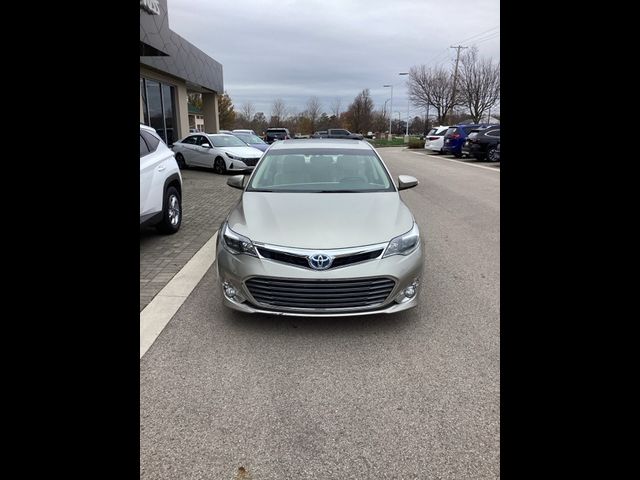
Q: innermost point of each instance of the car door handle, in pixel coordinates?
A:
(161, 168)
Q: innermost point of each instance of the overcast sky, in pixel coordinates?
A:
(294, 49)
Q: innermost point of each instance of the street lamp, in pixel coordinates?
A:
(390, 106)
(407, 131)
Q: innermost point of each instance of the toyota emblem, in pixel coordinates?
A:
(320, 261)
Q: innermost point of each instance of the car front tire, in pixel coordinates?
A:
(171, 212)
(219, 166)
(182, 164)
(491, 154)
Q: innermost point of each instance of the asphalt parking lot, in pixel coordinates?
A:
(225, 395)
(469, 160)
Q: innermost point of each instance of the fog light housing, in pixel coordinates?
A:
(231, 292)
(409, 292)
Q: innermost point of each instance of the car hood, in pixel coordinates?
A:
(244, 152)
(260, 146)
(320, 220)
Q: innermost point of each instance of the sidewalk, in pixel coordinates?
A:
(206, 201)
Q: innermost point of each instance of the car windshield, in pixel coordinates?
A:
(248, 138)
(320, 171)
(226, 141)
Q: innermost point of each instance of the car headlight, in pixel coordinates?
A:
(404, 244)
(235, 243)
(233, 157)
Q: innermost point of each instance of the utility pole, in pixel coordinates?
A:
(455, 77)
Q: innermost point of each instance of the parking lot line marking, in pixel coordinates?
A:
(157, 314)
(458, 161)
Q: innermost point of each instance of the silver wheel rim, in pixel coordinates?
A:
(174, 210)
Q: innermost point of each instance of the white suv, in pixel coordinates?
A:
(160, 184)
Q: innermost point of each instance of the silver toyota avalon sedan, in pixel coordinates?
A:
(320, 230)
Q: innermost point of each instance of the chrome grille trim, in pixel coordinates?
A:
(342, 257)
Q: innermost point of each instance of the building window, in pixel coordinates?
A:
(159, 108)
(143, 94)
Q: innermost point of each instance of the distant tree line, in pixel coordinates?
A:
(477, 91)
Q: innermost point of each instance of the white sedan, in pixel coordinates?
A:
(222, 152)
(434, 140)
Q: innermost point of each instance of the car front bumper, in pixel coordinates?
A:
(236, 269)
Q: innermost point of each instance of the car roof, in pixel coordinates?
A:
(147, 127)
(328, 143)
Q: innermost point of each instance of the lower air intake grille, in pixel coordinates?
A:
(320, 294)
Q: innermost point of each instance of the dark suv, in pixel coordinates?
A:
(482, 143)
(273, 134)
(455, 137)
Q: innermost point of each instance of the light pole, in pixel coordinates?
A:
(390, 107)
(406, 134)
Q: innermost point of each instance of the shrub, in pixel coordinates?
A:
(416, 143)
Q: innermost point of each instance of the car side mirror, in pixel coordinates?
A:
(236, 181)
(406, 181)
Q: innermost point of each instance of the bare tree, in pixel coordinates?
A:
(312, 113)
(335, 106)
(278, 111)
(247, 111)
(195, 99)
(259, 123)
(431, 87)
(360, 112)
(379, 121)
(479, 83)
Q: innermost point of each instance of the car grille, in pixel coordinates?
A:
(250, 162)
(301, 260)
(320, 294)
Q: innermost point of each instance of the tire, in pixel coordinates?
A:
(219, 166)
(491, 154)
(457, 155)
(171, 212)
(182, 164)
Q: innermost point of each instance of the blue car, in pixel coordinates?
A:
(455, 137)
(252, 140)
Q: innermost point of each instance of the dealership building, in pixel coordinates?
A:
(170, 69)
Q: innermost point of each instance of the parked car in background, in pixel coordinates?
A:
(160, 184)
(320, 230)
(434, 140)
(241, 130)
(252, 140)
(455, 137)
(337, 133)
(482, 143)
(276, 133)
(228, 132)
(222, 152)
